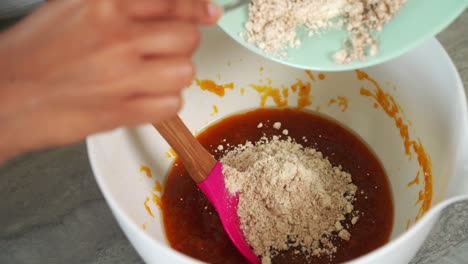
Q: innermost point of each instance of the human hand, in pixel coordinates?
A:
(76, 67)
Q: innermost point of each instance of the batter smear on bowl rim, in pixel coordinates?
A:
(310, 192)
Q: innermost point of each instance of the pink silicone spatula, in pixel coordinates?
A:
(208, 174)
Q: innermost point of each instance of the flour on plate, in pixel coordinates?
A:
(273, 24)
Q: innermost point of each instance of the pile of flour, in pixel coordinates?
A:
(272, 24)
(289, 196)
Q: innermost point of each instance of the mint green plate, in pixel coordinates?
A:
(417, 21)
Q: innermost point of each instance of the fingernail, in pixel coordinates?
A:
(213, 10)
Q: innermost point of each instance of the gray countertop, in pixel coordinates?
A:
(51, 210)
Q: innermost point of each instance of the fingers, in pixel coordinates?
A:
(77, 122)
(200, 11)
(149, 109)
(166, 38)
(162, 76)
(169, 27)
(134, 111)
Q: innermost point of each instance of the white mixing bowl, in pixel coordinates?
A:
(424, 83)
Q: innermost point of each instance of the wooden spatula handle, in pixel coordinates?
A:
(196, 159)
